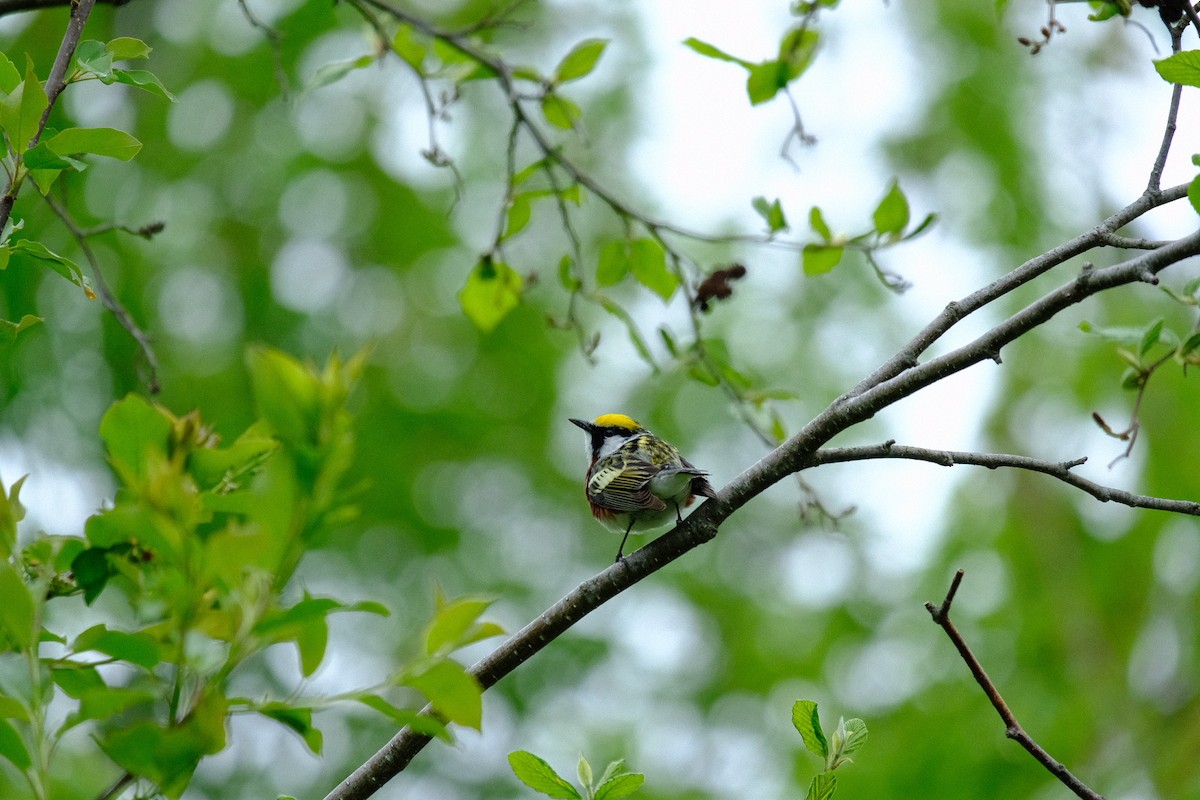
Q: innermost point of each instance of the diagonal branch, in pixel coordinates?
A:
(1062, 470)
(1012, 728)
(1101, 235)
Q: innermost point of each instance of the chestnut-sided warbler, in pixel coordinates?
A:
(637, 481)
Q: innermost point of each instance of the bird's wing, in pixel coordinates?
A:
(624, 485)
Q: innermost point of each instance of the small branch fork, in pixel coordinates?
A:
(1012, 728)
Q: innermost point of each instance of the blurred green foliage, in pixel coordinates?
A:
(300, 215)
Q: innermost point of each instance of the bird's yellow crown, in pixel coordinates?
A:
(616, 421)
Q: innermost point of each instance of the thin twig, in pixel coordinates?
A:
(275, 39)
(13, 6)
(1160, 161)
(107, 297)
(1061, 470)
(1012, 728)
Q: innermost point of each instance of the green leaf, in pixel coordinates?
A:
(298, 719)
(856, 736)
(10, 76)
(648, 263)
(772, 213)
(141, 79)
(540, 776)
(21, 110)
(493, 289)
(584, 771)
(43, 158)
(126, 48)
(1194, 194)
(560, 112)
(105, 702)
(450, 688)
(136, 648)
(620, 786)
(820, 258)
(613, 264)
(455, 625)
(12, 708)
(11, 512)
(822, 786)
(566, 274)
(796, 50)
(765, 80)
(9, 330)
(94, 57)
(406, 45)
(135, 432)
(816, 221)
(712, 51)
(808, 724)
(580, 61)
(41, 255)
(519, 212)
(12, 746)
(108, 142)
(1181, 68)
(924, 226)
(891, 215)
(335, 71)
(76, 679)
(16, 608)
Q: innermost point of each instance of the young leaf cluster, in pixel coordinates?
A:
(612, 784)
(200, 542)
(890, 226)
(33, 150)
(834, 750)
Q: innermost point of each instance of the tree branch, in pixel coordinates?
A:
(1012, 728)
(1062, 470)
(956, 311)
(13, 6)
(110, 301)
(55, 83)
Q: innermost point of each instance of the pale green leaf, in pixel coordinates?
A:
(808, 724)
(822, 786)
(535, 773)
(1181, 68)
(560, 112)
(493, 289)
(141, 79)
(620, 786)
(580, 61)
(892, 214)
(108, 142)
(648, 263)
(712, 51)
(125, 48)
(820, 258)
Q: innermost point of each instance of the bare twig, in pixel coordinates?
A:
(1061, 470)
(1160, 161)
(275, 39)
(1012, 728)
(107, 297)
(13, 6)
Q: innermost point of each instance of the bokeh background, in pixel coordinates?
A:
(307, 219)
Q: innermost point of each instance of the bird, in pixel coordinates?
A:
(637, 481)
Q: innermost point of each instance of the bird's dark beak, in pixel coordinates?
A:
(587, 426)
